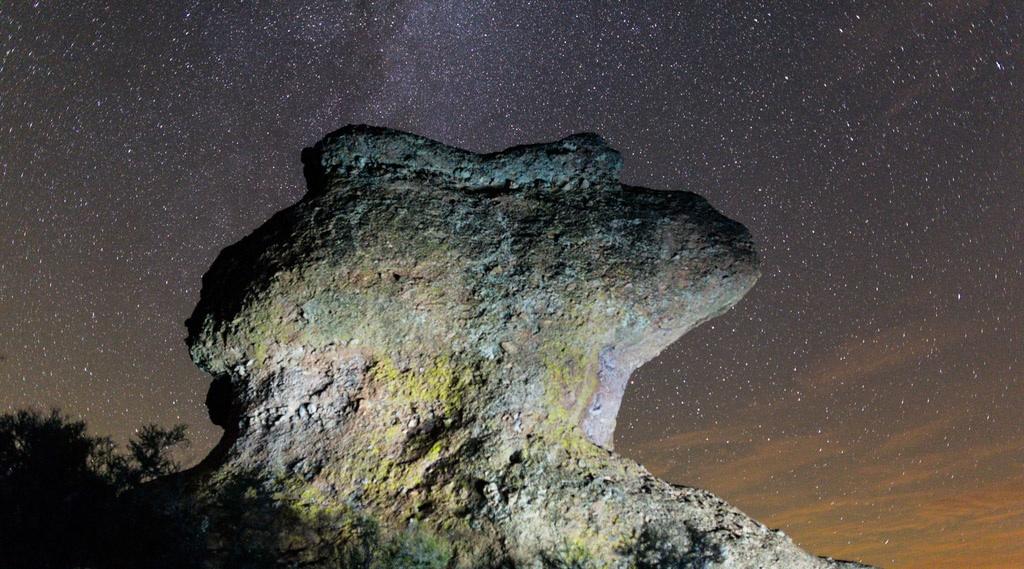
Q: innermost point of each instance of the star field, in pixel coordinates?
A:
(865, 397)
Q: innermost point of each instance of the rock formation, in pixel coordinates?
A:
(420, 363)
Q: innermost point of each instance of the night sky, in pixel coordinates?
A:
(866, 397)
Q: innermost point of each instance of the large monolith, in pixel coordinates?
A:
(420, 364)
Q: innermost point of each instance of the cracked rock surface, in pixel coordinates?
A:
(420, 363)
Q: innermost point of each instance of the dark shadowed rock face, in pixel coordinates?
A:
(420, 364)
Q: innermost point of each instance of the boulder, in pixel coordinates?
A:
(420, 364)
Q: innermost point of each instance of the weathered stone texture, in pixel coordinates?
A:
(425, 356)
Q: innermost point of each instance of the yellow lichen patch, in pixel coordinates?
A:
(435, 452)
(571, 381)
(308, 503)
(440, 382)
(271, 321)
(585, 548)
(384, 480)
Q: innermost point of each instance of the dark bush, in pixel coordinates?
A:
(66, 498)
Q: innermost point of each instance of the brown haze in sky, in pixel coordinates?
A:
(865, 397)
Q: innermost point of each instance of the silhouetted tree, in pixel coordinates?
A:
(60, 490)
(149, 451)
